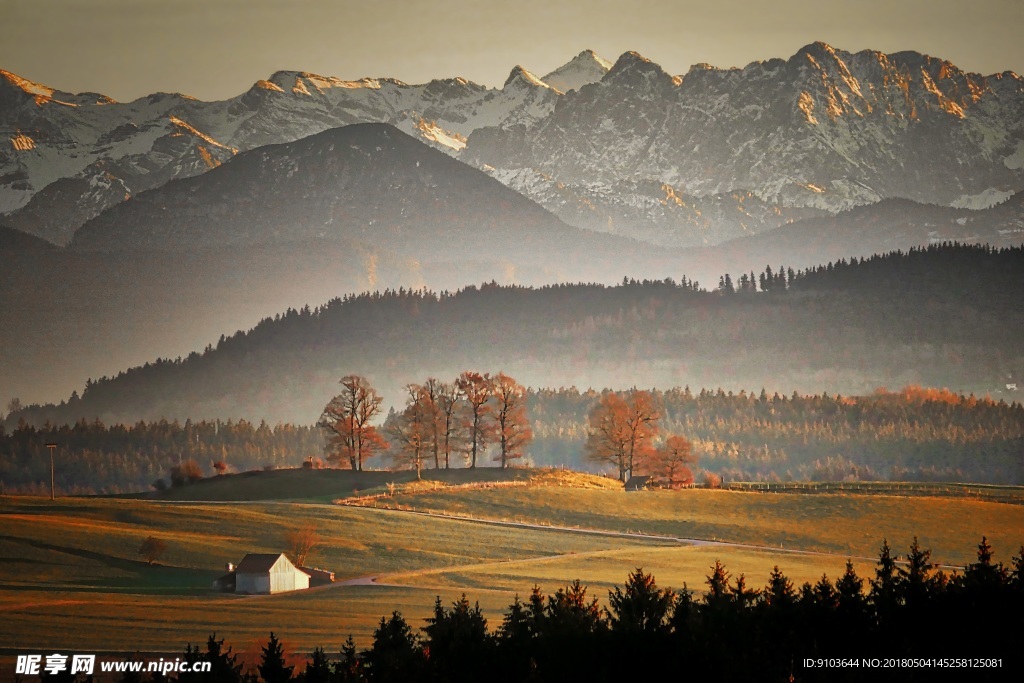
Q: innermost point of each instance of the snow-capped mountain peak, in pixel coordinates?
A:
(713, 155)
(521, 75)
(633, 66)
(583, 69)
(43, 95)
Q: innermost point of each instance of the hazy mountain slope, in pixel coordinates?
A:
(366, 182)
(942, 317)
(363, 207)
(889, 225)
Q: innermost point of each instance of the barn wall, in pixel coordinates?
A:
(285, 577)
(252, 583)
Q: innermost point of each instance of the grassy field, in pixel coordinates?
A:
(71, 568)
(601, 571)
(325, 485)
(70, 575)
(842, 523)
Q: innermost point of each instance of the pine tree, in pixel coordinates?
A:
(914, 583)
(779, 593)
(224, 666)
(825, 596)
(718, 595)
(318, 669)
(684, 610)
(517, 624)
(1017, 571)
(272, 667)
(348, 669)
(640, 607)
(395, 656)
(884, 585)
(457, 640)
(983, 575)
(569, 613)
(850, 590)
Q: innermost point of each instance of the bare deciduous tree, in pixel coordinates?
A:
(476, 391)
(411, 430)
(513, 429)
(298, 543)
(447, 412)
(622, 430)
(346, 419)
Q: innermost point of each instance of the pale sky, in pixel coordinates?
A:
(214, 49)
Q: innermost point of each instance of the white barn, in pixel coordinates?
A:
(268, 573)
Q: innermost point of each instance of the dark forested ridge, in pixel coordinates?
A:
(945, 316)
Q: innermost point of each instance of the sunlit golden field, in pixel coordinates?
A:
(71, 576)
(846, 524)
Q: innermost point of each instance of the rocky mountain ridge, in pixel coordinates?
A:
(716, 154)
(624, 148)
(70, 157)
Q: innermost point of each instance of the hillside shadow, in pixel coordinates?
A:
(136, 576)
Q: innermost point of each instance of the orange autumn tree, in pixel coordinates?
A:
(512, 427)
(622, 430)
(477, 405)
(672, 460)
(346, 419)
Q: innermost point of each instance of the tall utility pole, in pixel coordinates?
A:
(52, 447)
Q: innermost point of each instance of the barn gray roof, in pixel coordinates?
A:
(257, 563)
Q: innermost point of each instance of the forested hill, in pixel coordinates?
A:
(945, 316)
(913, 434)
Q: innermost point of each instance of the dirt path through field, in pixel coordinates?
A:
(391, 578)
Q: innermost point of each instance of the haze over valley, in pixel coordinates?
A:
(179, 221)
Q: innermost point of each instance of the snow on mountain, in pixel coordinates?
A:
(629, 149)
(584, 69)
(73, 156)
(823, 131)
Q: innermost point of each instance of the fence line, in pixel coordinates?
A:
(996, 492)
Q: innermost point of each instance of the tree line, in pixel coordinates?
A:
(92, 457)
(913, 434)
(440, 423)
(909, 610)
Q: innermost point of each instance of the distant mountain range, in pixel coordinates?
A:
(624, 148)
